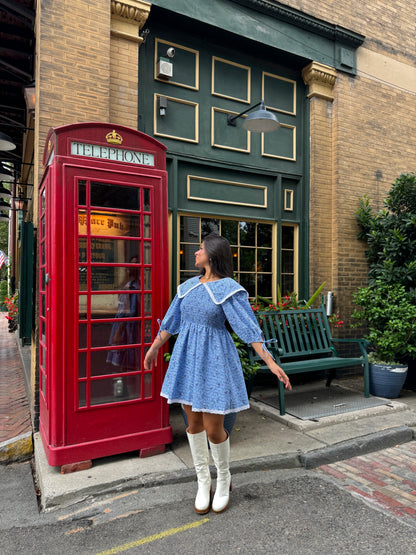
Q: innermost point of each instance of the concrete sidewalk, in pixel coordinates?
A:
(261, 439)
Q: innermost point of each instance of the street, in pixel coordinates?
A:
(280, 511)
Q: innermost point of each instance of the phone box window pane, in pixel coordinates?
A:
(114, 390)
(147, 253)
(113, 305)
(82, 249)
(146, 200)
(117, 251)
(115, 196)
(82, 192)
(82, 336)
(82, 394)
(115, 278)
(115, 361)
(116, 334)
(82, 365)
(146, 227)
(109, 223)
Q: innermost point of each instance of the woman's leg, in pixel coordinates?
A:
(198, 444)
(195, 421)
(220, 450)
(214, 426)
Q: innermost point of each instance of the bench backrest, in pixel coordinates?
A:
(301, 332)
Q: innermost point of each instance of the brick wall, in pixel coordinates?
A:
(389, 26)
(369, 131)
(123, 82)
(72, 66)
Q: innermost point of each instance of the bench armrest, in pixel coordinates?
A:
(362, 343)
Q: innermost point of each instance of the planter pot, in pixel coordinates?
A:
(387, 381)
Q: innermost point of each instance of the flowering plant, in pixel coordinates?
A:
(12, 307)
(335, 320)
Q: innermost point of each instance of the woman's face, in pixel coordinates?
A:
(201, 257)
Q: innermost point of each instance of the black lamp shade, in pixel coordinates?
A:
(261, 121)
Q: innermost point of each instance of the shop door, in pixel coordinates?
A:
(119, 278)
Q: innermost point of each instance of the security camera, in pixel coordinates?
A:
(170, 52)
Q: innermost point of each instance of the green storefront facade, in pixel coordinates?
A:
(252, 188)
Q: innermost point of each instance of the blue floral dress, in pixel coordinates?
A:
(205, 370)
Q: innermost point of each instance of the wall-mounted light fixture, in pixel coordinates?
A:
(6, 143)
(19, 202)
(260, 121)
(163, 104)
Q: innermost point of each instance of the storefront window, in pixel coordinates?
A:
(288, 259)
(251, 245)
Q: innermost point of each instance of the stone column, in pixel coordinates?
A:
(322, 233)
(127, 19)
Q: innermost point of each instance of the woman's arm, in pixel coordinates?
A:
(273, 367)
(152, 353)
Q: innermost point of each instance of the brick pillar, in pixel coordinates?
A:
(321, 80)
(127, 19)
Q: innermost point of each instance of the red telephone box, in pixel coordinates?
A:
(103, 282)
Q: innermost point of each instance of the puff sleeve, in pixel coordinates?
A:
(240, 315)
(172, 319)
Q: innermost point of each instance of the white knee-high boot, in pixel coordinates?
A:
(200, 455)
(221, 455)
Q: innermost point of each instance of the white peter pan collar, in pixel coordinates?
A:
(219, 290)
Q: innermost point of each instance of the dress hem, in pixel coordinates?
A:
(210, 411)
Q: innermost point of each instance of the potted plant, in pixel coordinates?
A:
(390, 236)
(391, 322)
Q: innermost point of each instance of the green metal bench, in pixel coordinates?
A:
(302, 342)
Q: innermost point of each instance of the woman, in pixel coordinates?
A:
(205, 373)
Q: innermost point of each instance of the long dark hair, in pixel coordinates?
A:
(219, 256)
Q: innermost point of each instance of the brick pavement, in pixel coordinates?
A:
(14, 409)
(386, 479)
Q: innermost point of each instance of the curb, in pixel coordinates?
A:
(312, 459)
(295, 460)
(17, 449)
(357, 446)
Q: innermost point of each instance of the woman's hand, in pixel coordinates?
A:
(151, 356)
(275, 368)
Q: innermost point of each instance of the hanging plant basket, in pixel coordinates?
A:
(387, 381)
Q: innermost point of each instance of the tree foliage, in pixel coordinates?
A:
(391, 234)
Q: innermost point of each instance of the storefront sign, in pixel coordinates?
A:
(112, 153)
